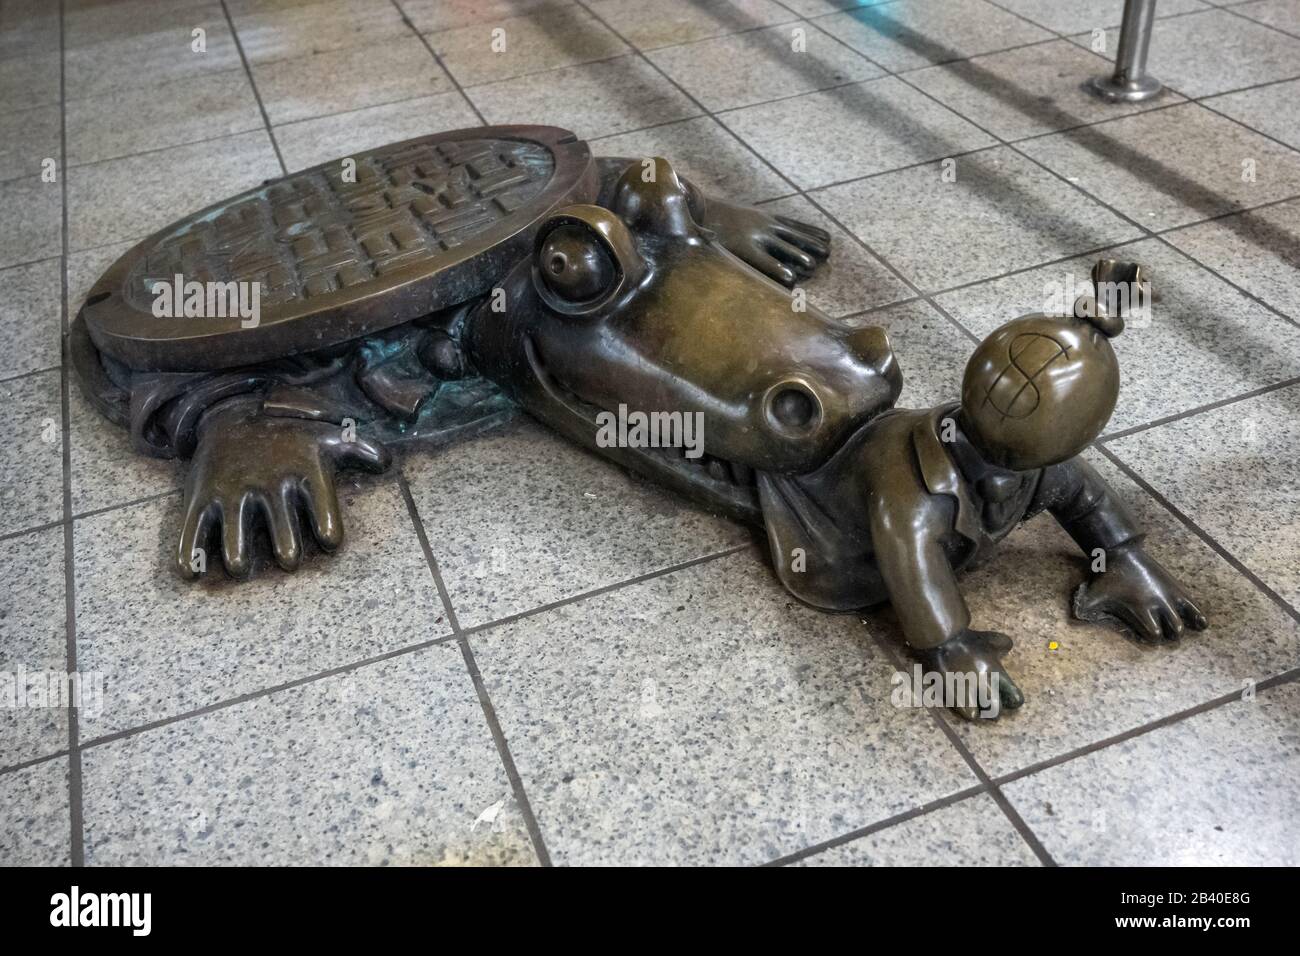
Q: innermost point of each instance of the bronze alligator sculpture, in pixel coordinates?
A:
(422, 291)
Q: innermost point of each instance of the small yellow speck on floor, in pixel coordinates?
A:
(1052, 645)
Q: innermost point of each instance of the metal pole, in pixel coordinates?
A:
(1131, 83)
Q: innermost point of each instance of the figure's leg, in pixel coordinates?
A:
(781, 248)
(1127, 584)
(935, 619)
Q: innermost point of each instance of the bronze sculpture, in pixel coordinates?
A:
(421, 291)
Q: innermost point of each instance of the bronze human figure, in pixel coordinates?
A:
(916, 496)
(423, 291)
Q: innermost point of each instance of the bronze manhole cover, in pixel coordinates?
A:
(340, 250)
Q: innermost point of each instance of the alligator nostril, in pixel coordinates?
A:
(558, 262)
(792, 407)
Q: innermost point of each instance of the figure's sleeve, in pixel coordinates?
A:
(1086, 506)
(909, 552)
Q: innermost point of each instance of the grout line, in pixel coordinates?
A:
(941, 804)
(33, 762)
(387, 655)
(1233, 11)
(85, 164)
(248, 70)
(1136, 429)
(606, 588)
(27, 262)
(1277, 680)
(686, 93)
(480, 688)
(76, 849)
(442, 66)
(261, 692)
(59, 523)
(892, 653)
(30, 374)
(1199, 532)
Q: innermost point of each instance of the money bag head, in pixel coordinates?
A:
(1040, 388)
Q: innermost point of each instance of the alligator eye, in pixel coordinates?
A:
(574, 264)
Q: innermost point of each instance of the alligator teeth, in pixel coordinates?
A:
(718, 470)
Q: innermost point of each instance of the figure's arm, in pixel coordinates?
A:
(783, 249)
(923, 590)
(1131, 584)
(274, 464)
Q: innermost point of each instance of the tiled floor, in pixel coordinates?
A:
(524, 656)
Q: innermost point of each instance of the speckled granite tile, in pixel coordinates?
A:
(913, 33)
(131, 197)
(853, 131)
(852, 279)
(1028, 91)
(1001, 213)
(706, 717)
(391, 764)
(1273, 109)
(203, 107)
(33, 641)
(153, 53)
(167, 646)
(433, 15)
(1080, 15)
(594, 99)
(973, 832)
(350, 79)
(730, 72)
(546, 40)
(1171, 167)
(1212, 52)
(1282, 14)
(669, 22)
(931, 351)
(1099, 682)
(1217, 789)
(27, 139)
(30, 26)
(30, 317)
(319, 140)
(96, 22)
(35, 826)
(1192, 316)
(1232, 470)
(520, 518)
(32, 212)
(28, 80)
(285, 32)
(106, 470)
(31, 456)
(1257, 250)
(705, 153)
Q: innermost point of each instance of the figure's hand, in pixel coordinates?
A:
(246, 468)
(783, 249)
(1135, 589)
(979, 653)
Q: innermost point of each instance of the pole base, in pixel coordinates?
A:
(1115, 90)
